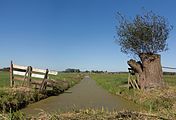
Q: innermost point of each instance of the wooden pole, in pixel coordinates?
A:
(137, 80)
(46, 77)
(11, 75)
(43, 82)
(46, 74)
(25, 76)
(129, 80)
(29, 75)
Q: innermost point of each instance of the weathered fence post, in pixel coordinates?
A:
(11, 75)
(29, 75)
(43, 82)
(46, 74)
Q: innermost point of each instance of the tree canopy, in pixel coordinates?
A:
(145, 33)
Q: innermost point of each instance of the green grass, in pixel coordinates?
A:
(160, 101)
(72, 78)
(111, 82)
(115, 82)
(4, 79)
(170, 80)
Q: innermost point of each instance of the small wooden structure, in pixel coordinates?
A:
(133, 79)
(28, 76)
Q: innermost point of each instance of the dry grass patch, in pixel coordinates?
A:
(92, 114)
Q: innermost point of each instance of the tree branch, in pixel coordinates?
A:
(135, 66)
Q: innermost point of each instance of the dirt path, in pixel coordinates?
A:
(86, 94)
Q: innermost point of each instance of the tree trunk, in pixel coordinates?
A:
(149, 70)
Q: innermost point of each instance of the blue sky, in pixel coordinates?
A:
(60, 34)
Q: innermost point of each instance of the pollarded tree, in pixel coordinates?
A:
(145, 36)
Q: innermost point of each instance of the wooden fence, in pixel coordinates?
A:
(29, 76)
(133, 79)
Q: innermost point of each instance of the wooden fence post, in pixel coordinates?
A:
(46, 74)
(29, 75)
(43, 82)
(11, 75)
(129, 81)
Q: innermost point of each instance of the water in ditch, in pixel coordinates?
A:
(86, 94)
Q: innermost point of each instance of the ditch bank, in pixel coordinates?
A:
(13, 99)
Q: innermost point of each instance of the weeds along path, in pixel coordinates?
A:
(86, 94)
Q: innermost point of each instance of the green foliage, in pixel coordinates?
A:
(12, 101)
(16, 116)
(69, 70)
(146, 33)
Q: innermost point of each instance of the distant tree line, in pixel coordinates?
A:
(5, 69)
(70, 70)
(97, 71)
(169, 73)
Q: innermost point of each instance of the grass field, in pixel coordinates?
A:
(170, 80)
(111, 82)
(4, 79)
(159, 101)
(72, 78)
(114, 82)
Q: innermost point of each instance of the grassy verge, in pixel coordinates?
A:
(13, 99)
(161, 101)
(17, 98)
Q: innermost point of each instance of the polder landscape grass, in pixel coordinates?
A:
(159, 101)
(13, 99)
(159, 104)
(4, 79)
(72, 78)
(114, 83)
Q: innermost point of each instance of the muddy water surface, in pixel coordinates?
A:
(86, 94)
